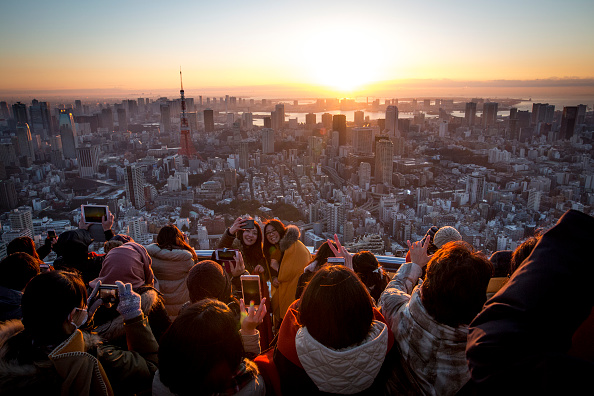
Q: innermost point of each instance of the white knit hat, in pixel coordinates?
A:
(446, 234)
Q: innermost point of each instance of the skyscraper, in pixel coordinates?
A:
(267, 141)
(41, 120)
(363, 141)
(187, 147)
(21, 219)
(107, 118)
(392, 121)
(359, 118)
(475, 187)
(8, 195)
(25, 142)
(568, 122)
(327, 120)
(19, 113)
(490, 113)
(339, 124)
(470, 113)
(122, 120)
(134, 181)
(243, 155)
(68, 134)
(279, 111)
(364, 175)
(88, 161)
(335, 218)
(209, 120)
(165, 119)
(310, 119)
(384, 153)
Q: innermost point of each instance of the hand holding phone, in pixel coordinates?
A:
(108, 293)
(250, 288)
(251, 317)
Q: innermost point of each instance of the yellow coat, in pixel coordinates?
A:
(295, 258)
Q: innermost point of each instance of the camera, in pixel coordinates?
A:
(108, 293)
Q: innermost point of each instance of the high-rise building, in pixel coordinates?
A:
(41, 120)
(363, 141)
(336, 217)
(122, 120)
(392, 121)
(187, 147)
(534, 200)
(470, 113)
(137, 229)
(68, 134)
(384, 160)
(581, 114)
(25, 142)
(248, 120)
(327, 120)
(279, 111)
(475, 188)
(490, 113)
(8, 195)
(88, 161)
(359, 118)
(165, 118)
(244, 155)
(364, 175)
(539, 112)
(267, 141)
(310, 119)
(78, 110)
(21, 219)
(209, 120)
(19, 113)
(134, 181)
(107, 119)
(443, 129)
(4, 112)
(568, 122)
(339, 124)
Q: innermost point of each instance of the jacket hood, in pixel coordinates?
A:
(343, 371)
(291, 236)
(433, 329)
(72, 239)
(168, 255)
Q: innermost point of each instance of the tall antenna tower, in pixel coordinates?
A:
(187, 147)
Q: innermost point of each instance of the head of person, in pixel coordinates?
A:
(73, 244)
(274, 230)
(22, 244)
(17, 270)
(336, 307)
(201, 350)
(501, 261)
(444, 235)
(53, 305)
(208, 279)
(522, 252)
(322, 254)
(128, 263)
(250, 237)
(170, 237)
(370, 272)
(455, 285)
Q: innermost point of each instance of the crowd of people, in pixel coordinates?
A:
(157, 320)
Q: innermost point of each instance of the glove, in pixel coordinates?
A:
(129, 306)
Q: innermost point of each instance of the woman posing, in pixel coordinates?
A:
(172, 260)
(287, 257)
(246, 235)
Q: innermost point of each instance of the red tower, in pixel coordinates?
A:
(187, 147)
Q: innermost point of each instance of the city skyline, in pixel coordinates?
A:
(312, 49)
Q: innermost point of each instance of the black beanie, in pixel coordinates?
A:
(207, 279)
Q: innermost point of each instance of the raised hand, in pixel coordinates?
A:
(251, 318)
(237, 267)
(237, 225)
(341, 251)
(418, 252)
(107, 221)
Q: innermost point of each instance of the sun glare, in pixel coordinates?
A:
(343, 60)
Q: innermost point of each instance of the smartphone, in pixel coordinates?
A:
(108, 293)
(225, 254)
(336, 260)
(45, 267)
(94, 213)
(51, 234)
(249, 224)
(250, 288)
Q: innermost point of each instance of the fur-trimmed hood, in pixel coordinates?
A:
(114, 329)
(291, 236)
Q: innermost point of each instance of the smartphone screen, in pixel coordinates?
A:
(251, 289)
(336, 260)
(108, 293)
(94, 214)
(226, 255)
(51, 234)
(249, 224)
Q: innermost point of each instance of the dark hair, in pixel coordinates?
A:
(455, 286)
(522, 252)
(48, 299)
(501, 261)
(22, 244)
(322, 254)
(17, 270)
(336, 307)
(253, 254)
(208, 279)
(204, 336)
(280, 228)
(170, 237)
(370, 272)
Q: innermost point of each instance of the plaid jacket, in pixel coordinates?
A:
(434, 352)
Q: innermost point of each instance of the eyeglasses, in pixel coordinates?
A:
(271, 232)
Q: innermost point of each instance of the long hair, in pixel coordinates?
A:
(280, 228)
(322, 254)
(170, 237)
(253, 254)
(336, 307)
(22, 244)
(370, 272)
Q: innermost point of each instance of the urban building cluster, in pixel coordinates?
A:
(377, 173)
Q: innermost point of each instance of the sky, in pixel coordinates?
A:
(306, 48)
